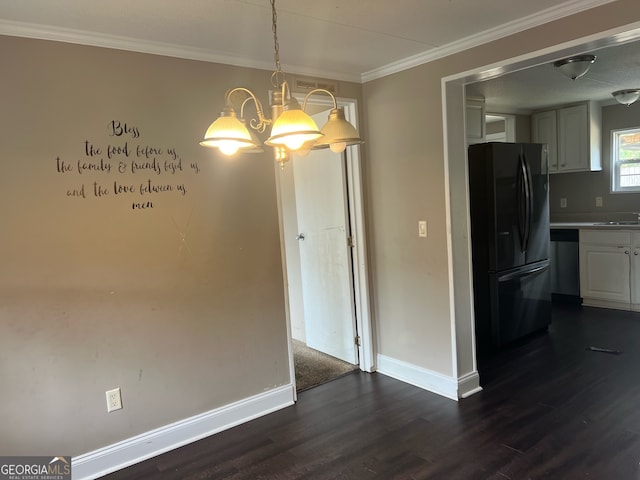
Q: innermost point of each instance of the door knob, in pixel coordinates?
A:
(300, 236)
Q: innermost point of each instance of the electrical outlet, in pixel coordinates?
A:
(598, 201)
(563, 202)
(114, 400)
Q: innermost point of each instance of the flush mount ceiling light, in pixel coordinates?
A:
(292, 130)
(575, 67)
(627, 97)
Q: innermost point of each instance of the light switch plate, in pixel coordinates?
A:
(422, 228)
(598, 201)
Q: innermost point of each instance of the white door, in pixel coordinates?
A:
(325, 254)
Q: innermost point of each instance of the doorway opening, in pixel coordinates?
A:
(322, 231)
(313, 367)
(457, 199)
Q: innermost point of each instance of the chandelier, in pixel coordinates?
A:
(292, 129)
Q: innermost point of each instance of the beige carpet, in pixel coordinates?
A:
(315, 368)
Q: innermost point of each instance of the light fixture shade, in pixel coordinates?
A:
(575, 67)
(293, 128)
(228, 133)
(338, 133)
(627, 97)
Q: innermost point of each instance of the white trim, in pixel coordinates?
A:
(366, 352)
(448, 225)
(550, 14)
(614, 162)
(594, 302)
(469, 384)
(460, 276)
(418, 376)
(615, 36)
(150, 444)
(360, 275)
(84, 37)
(285, 277)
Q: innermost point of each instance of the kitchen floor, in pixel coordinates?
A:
(562, 405)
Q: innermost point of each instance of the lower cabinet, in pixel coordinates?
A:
(610, 268)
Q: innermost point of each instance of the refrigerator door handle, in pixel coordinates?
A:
(522, 201)
(520, 273)
(527, 199)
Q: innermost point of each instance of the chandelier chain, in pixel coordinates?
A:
(274, 28)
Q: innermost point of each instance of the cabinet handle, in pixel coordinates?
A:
(626, 252)
(635, 253)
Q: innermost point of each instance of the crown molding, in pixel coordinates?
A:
(83, 37)
(554, 13)
(94, 39)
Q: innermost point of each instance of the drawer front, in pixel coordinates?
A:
(606, 237)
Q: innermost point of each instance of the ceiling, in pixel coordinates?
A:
(354, 40)
(615, 68)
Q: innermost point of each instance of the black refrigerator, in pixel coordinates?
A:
(509, 204)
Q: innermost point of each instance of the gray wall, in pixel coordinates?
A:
(180, 305)
(581, 189)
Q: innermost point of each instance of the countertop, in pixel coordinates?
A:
(595, 225)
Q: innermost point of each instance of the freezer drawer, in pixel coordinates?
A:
(516, 303)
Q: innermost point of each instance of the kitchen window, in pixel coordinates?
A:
(625, 160)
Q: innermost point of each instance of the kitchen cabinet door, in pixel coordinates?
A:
(604, 273)
(572, 134)
(544, 130)
(475, 121)
(573, 138)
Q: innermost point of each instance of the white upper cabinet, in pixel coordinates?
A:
(572, 134)
(475, 121)
(544, 129)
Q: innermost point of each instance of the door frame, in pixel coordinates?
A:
(355, 199)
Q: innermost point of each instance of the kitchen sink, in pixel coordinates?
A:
(623, 222)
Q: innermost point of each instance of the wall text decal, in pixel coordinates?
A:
(124, 166)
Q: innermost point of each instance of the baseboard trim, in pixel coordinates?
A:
(418, 376)
(592, 302)
(469, 384)
(150, 444)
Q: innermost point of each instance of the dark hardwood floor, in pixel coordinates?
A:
(550, 408)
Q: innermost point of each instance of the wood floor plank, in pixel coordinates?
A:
(550, 409)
